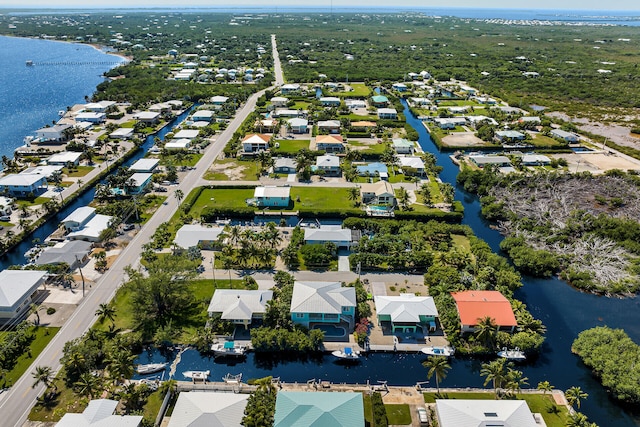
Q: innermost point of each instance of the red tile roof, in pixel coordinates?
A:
(474, 305)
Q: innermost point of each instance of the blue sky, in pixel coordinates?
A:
(499, 4)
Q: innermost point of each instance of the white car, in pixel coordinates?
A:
(422, 415)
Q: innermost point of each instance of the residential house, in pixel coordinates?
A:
(489, 412)
(458, 109)
(202, 116)
(145, 165)
(341, 237)
(121, 133)
(378, 193)
(387, 114)
(85, 224)
(330, 143)
(482, 160)
(287, 113)
(564, 135)
(279, 101)
(363, 126)
(291, 88)
(55, 133)
(406, 313)
(449, 122)
(353, 104)
(148, 117)
(485, 100)
(509, 136)
(255, 142)
(530, 119)
(91, 117)
(318, 303)
(298, 125)
(99, 107)
(412, 165)
(187, 134)
(272, 197)
(329, 165)
(468, 90)
(420, 102)
(535, 160)
(178, 144)
(16, 291)
(138, 182)
(208, 408)
(330, 126)
(45, 170)
(162, 108)
(475, 305)
(239, 306)
(478, 121)
(6, 204)
(374, 169)
(219, 99)
(267, 125)
(330, 101)
(379, 101)
(197, 235)
(403, 146)
(100, 413)
(400, 87)
(316, 409)
(64, 158)
(71, 252)
(23, 184)
(284, 165)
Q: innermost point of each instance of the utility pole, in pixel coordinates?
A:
(213, 269)
(81, 275)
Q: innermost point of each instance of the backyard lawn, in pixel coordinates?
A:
(291, 146)
(554, 415)
(358, 90)
(42, 337)
(78, 171)
(541, 141)
(398, 414)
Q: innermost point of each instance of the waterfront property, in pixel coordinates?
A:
(100, 412)
(187, 134)
(330, 101)
(378, 193)
(564, 135)
(121, 133)
(341, 237)
(20, 185)
(91, 117)
(406, 313)
(178, 144)
(320, 303)
(272, 197)
(138, 183)
(379, 101)
(99, 107)
(64, 158)
(473, 413)
(85, 224)
(45, 170)
(239, 306)
(304, 409)
(412, 165)
(148, 117)
(202, 116)
(196, 235)
(387, 114)
(290, 88)
(449, 122)
(491, 160)
(55, 133)
(375, 169)
(219, 99)
(71, 252)
(16, 292)
(509, 136)
(330, 143)
(211, 409)
(145, 165)
(473, 306)
(403, 146)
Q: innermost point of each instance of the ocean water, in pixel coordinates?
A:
(30, 97)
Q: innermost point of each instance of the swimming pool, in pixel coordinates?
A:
(331, 330)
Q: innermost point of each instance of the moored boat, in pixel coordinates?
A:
(228, 348)
(516, 354)
(150, 368)
(346, 353)
(196, 375)
(439, 351)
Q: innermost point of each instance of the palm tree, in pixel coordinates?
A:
(545, 386)
(437, 365)
(353, 193)
(494, 372)
(87, 384)
(579, 420)
(179, 195)
(106, 311)
(403, 198)
(515, 380)
(34, 309)
(120, 365)
(575, 395)
(43, 375)
(486, 331)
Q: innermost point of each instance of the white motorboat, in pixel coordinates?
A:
(150, 368)
(346, 353)
(516, 354)
(197, 375)
(228, 348)
(439, 351)
(232, 379)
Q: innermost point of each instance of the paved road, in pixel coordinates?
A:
(17, 402)
(277, 67)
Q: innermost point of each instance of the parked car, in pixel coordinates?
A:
(5, 218)
(422, 415)
(128, 227)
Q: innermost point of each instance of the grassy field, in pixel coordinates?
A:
(42, 337)
(554, 415)
(291, 146)
(244, 170)
(66, 401)
(34, 202)
(358, 89)
(78, 171)
(541, 141)
(188, 160)
(148, 206)
(398, 414)
(371, 149)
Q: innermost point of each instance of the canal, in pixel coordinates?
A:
(16, 255)
(565, 311)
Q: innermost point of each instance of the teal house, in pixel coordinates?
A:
(321, 304)
(317, 409)
(406, 313)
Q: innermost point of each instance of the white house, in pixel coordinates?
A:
(178, 144)
(65, 157)
(403, 146)
(211, 409)
(202, 115)
(329, 164)
(5, 205)
(23, 184)
(330, 101)
(400, 87)
(150, 117)
(145, 165)
(290, 88)
(331, 126)
(99, 413)
(85, 224)
(52, 133)
(279, 101)
(387, 113)
(239, 306)
(407, 313)
(255, 142)
(410, 164)
(377, 193)
(272, 196)
(341, 237)
(509, 136)
(564, 135)
(121, 133)
(490, 412)
(298, 125)
(91, 117)
(355, 103)
(16, 290)
(219, 99)
(45, 170)
(190, 235)
(449, 122)
(187, 134)
(99, 107)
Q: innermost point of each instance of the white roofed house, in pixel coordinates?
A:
(285, 165)
(239, 306)
(329, 164)
(161, 108)
(341, 237)
(387, 114)
(272, 196)
(99, 107)
(20, 185)
(196, 235)
(121, 133)
(330, 101)
(507, 136)
(150, 117)
(91, 117)
(138, 182)
(65, 157)
(279, 101)
(145, 165)
(54, 133)
(564, 135)
(202, 116)
(320, 303)
(412, 165)
(406, 313)
(16, 291)
(255, 142)
(290, 88)
(490, 412)
(210, 409)
(218, 100)
(330, 126)
(178, 144)
(100, 413)
(85, 224)
(187, 134)
(298, 125)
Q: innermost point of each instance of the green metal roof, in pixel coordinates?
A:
(319, 409)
